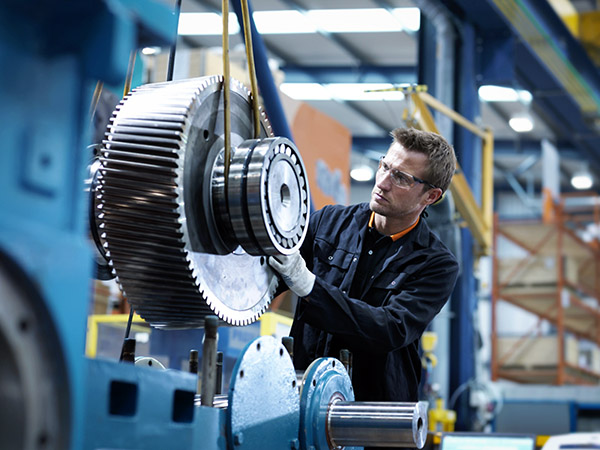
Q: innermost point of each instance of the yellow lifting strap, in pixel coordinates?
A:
(226, 76)
(226, 90)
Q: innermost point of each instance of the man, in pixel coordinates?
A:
(375, 275)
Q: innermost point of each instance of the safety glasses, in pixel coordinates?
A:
(399, 178)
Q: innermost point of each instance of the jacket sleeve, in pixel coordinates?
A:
(403, 316)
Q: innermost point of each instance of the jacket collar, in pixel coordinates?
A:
(420, 232)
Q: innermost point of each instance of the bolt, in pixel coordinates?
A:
(294, 444)
(238, 438)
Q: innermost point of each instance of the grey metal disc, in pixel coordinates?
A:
(263, 401)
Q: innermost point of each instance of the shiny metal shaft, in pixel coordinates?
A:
(209, 362)
(219, 401)
(381, 424)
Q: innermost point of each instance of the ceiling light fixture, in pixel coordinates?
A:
(205, 24)
(582, 179)
(305, 91)
(410, 18)
(362, 173)
(521, 124)
(361, 20)
(283, 22)
(491, 93)
(149, 51)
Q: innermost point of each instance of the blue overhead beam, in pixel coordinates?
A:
(523, 146)
(507, 61)
(531, 147)
(367, 143)
(557, 108)
(539, 19)
(479, 13)
(565, 45)
(525, 44)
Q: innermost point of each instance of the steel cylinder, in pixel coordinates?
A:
(209, 361)
(381, 424)
(220, 401)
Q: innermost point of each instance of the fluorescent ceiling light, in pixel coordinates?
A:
(342, 91)
(521, 124)
(305, 91)
(582, 179)
(150, 51)
(363, 20)
(409, 18)
(282, 22)
(205, 24)
(490, 93)
(362, 173)
(354, 20)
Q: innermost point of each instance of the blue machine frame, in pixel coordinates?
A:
(67, 46)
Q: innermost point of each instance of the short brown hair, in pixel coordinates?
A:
(440, 154)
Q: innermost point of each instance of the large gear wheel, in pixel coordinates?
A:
(163, 214)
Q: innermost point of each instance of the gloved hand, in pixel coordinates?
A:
(293, 270)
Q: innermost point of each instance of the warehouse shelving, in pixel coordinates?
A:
(556, 278)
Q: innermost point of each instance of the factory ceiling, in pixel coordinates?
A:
(523, 45)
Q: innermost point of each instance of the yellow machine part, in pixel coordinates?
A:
(440, 419)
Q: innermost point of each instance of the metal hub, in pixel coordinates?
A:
(182, 242)
(267, 196)
(325, 382)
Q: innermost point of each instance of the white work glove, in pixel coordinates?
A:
(293, 270)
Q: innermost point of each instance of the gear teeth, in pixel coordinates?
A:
(140, 208)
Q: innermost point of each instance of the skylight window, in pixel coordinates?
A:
(305, 91)
(205, 24)
(282, 22)
(362, 20)
(409, 18)
(354, 20)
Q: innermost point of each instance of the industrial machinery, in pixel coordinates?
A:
(268, 406)
(183, 241)
(185, 232)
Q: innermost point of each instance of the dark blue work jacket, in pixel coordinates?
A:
(383, 326)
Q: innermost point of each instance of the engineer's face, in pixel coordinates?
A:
(396, 202)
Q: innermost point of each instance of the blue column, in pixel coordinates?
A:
(427, 55)
(464, 299)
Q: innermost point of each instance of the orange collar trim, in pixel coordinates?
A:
(396, 236)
